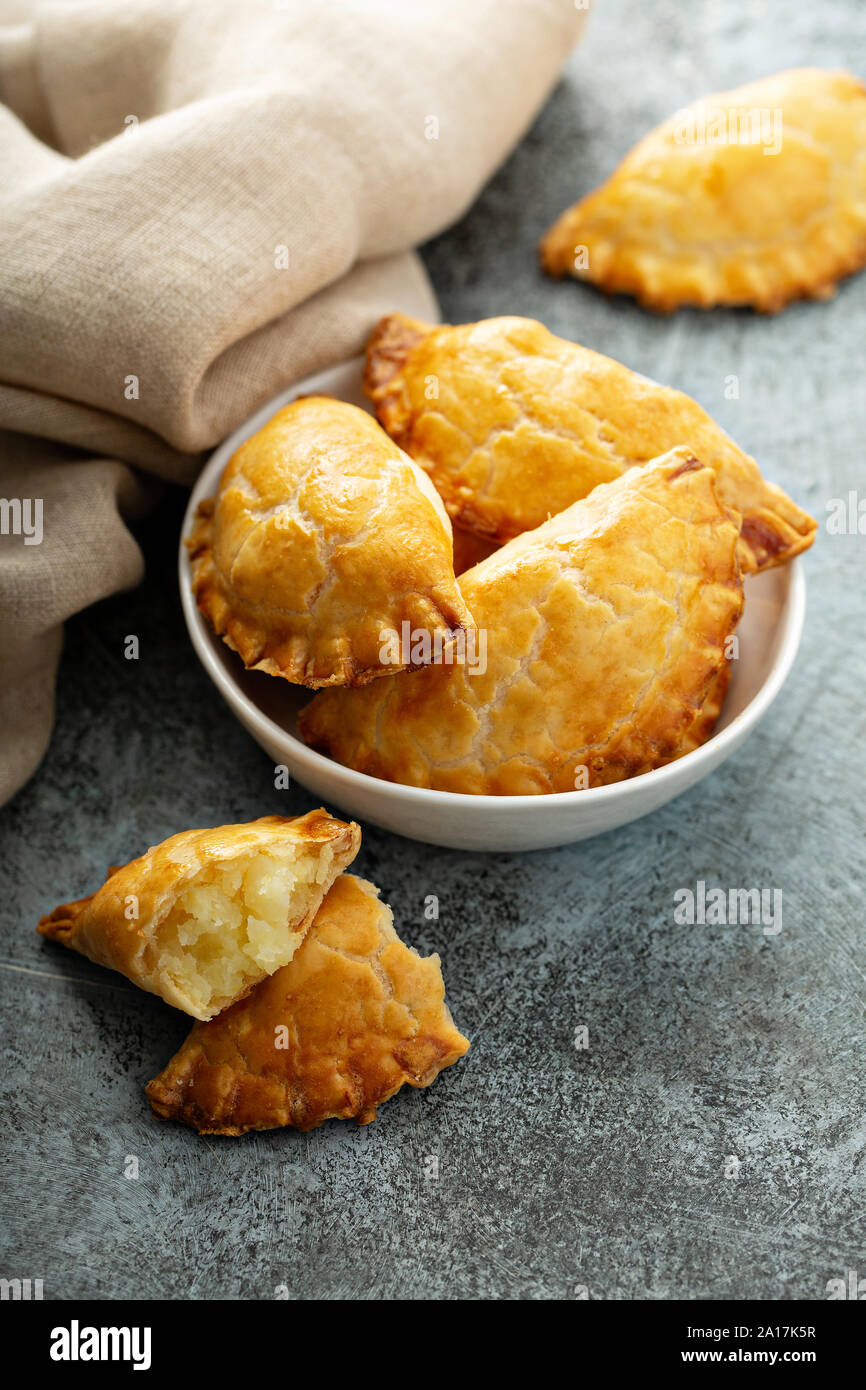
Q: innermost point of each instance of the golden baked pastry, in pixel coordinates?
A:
(605, 628)
(703, 725)
(322, 536)
(755, 197)
(203, 917)
(355, 1016)
(522, 424)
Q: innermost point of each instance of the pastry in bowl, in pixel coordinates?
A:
(514, 425)
(355, 1016)
(605, 629)
(324, 536)
(703, 726)
(753, 197)
(203, 917)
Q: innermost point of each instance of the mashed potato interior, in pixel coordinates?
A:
(234, 924)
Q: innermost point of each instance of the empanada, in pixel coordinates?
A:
(514, 425)
(755, 196)
(703, 725)
(323, 536)
(333, 1035)
(604, 631)
(203, 917)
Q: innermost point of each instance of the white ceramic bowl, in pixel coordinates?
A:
(267, 707)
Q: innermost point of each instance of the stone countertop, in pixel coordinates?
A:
(560, 1169)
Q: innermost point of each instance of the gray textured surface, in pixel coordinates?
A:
(558, 1167)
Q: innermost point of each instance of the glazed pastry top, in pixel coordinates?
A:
(514, 424)
(324, 534)
(603, 629)
(755, 196)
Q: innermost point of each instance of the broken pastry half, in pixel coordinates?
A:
(203, 917)
(518, 425)
(604, 631)
(322, 536)
(355, 1016)
(751, 197)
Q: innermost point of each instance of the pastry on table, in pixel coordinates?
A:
(605, 629)
(333, 1035)
(203, 917)
(322, 535)
(523, 424)
(753, 197)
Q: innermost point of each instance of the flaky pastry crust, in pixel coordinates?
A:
(355, 1016)
(707, 210)
(521, 424)
(604, 629)
(132, 923)
(322, 536)
(703, 726)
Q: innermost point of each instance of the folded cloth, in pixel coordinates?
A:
(201, 202)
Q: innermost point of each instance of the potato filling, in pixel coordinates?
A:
(235, 923)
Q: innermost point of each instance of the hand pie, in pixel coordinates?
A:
(755, 196)
(524, 424)
(703, 726)
(206, 915)
(354, 1017)
(322, 535)
(604, 630)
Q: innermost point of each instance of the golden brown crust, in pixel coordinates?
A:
(119, 926)
(604, 630)
(514, 425)
(322, 535)
(390, 344)
(333, 1035)
(704, 723)
(695, 214)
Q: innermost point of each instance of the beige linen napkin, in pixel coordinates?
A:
(199, 203)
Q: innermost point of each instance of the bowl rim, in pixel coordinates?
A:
(203, 640)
